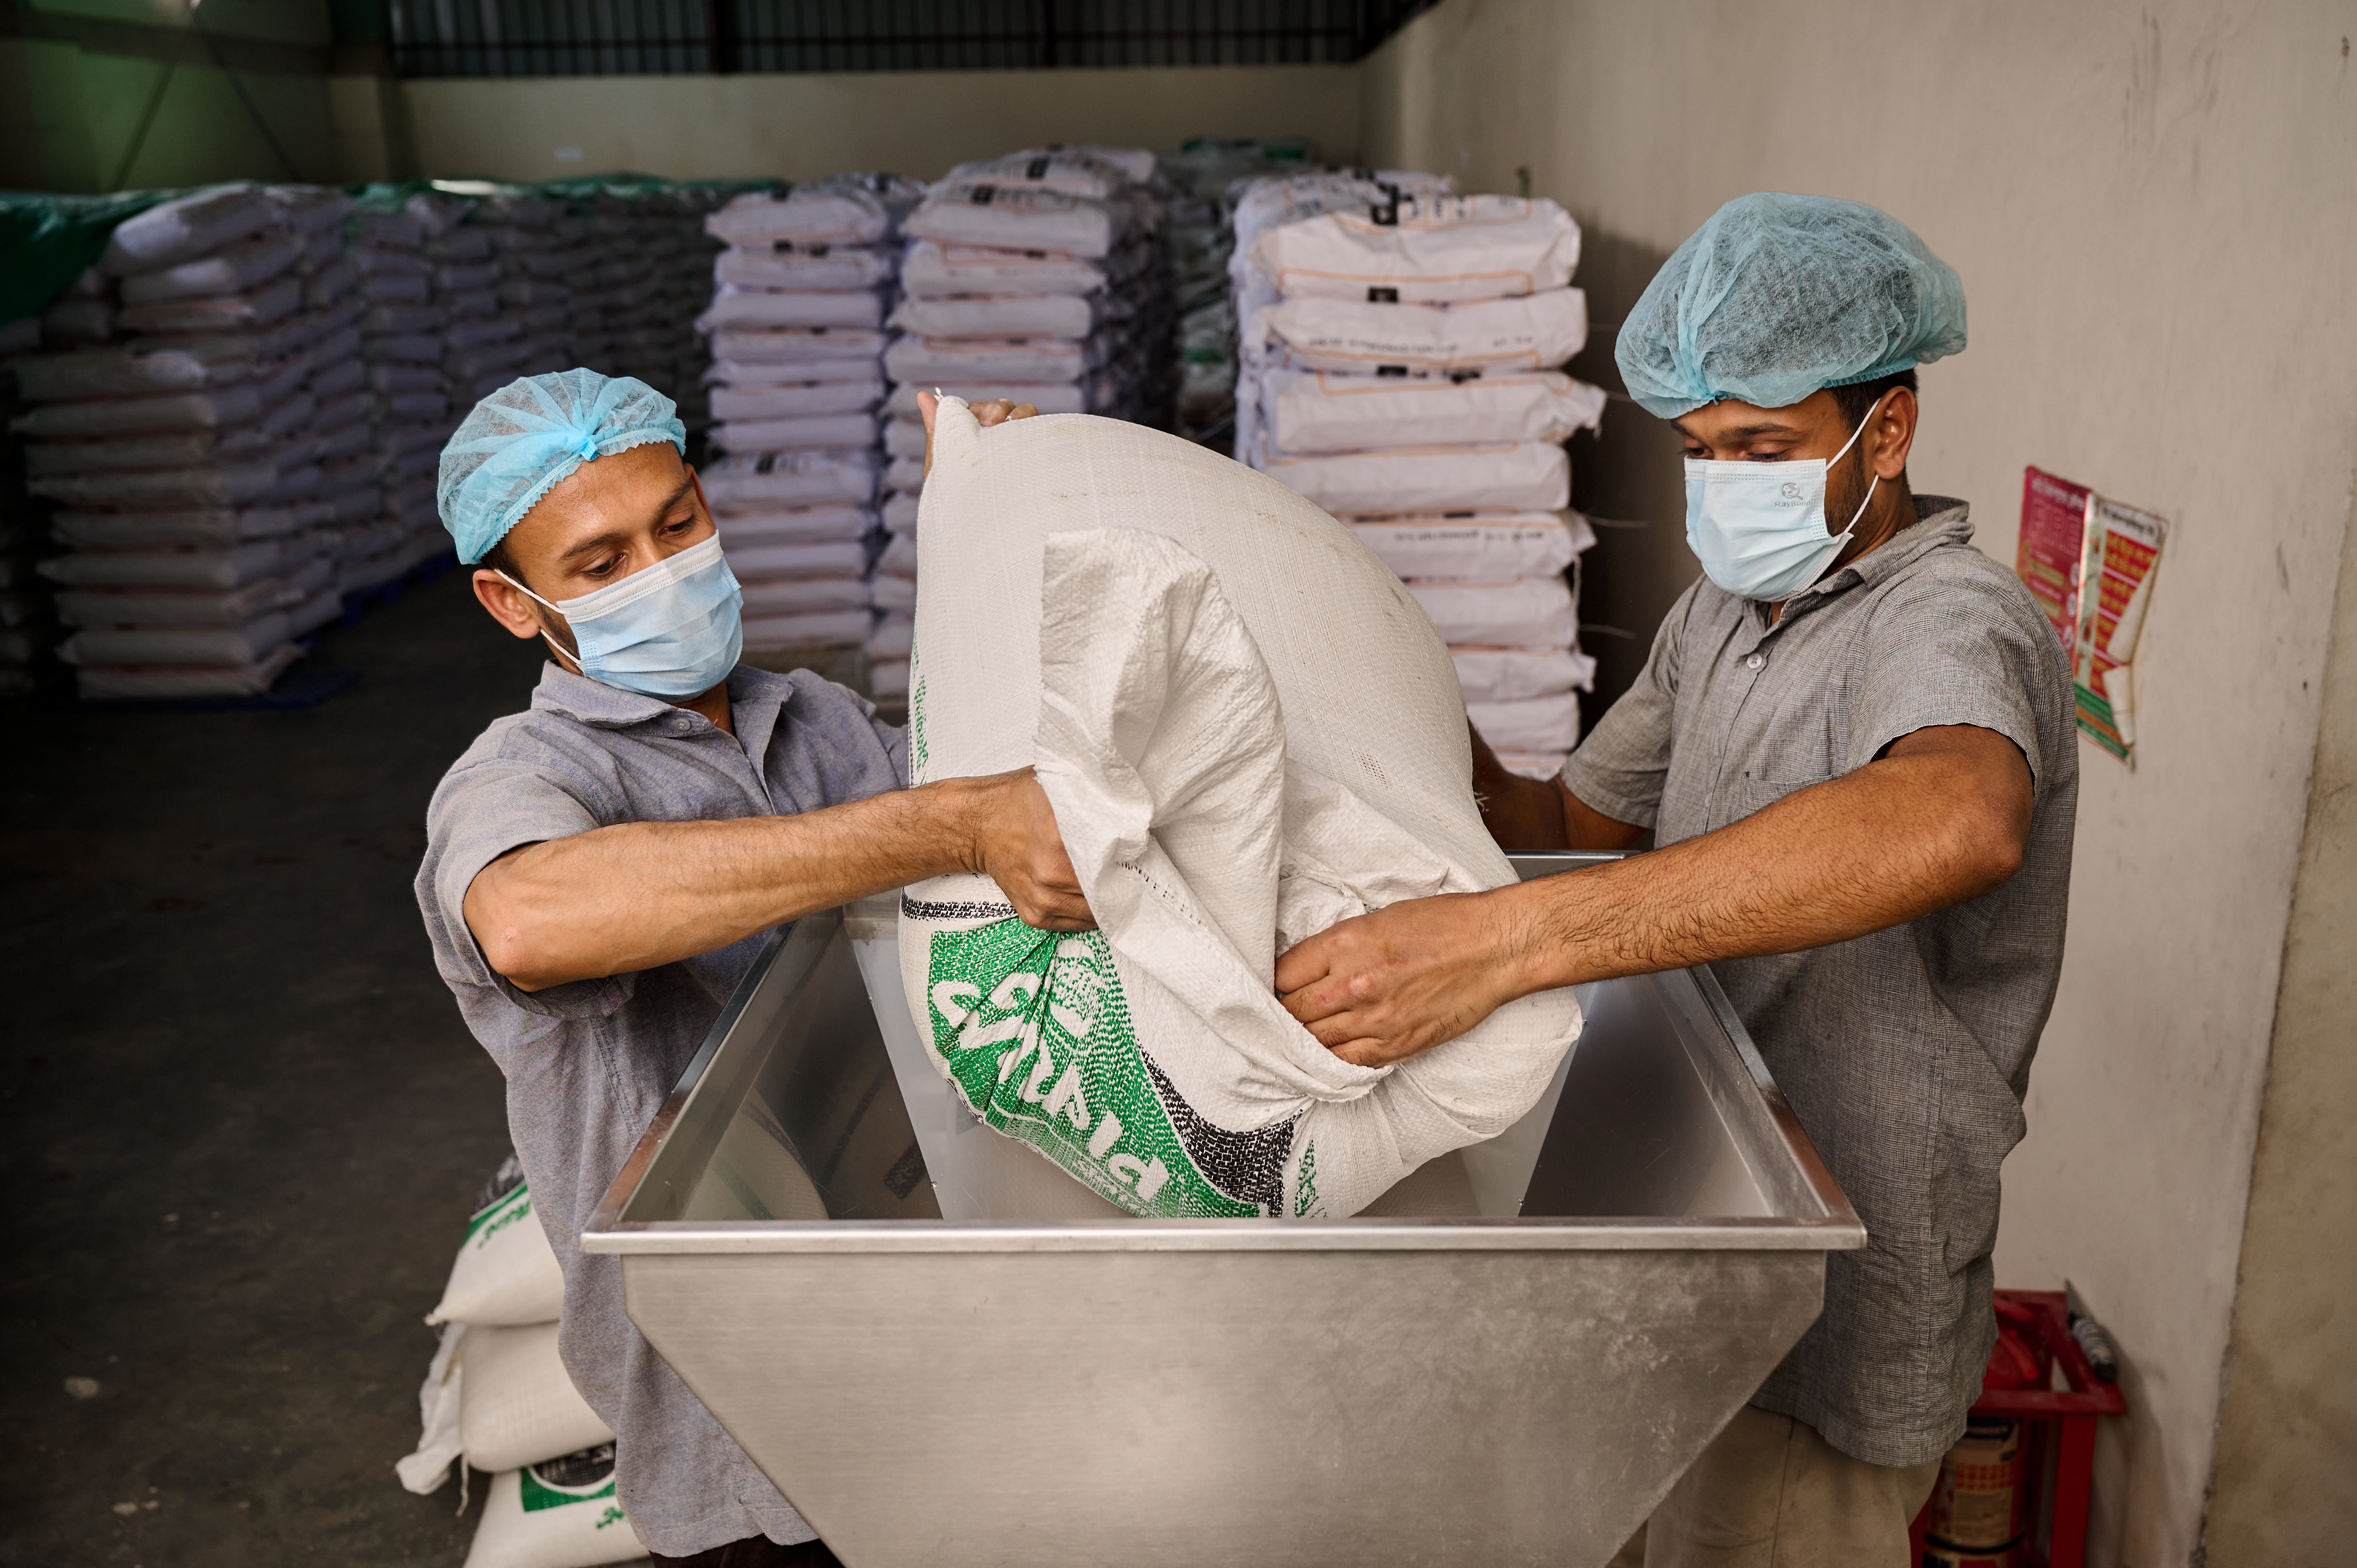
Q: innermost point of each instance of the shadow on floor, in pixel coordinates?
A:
(245, 1123)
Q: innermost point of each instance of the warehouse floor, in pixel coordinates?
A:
(245, 1123)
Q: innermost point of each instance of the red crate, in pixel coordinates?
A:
(2059, 1431)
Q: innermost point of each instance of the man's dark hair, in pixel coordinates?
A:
(1855, 399)
(498, 559)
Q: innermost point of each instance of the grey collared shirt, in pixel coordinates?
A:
(588, 1064)
(1905, 1053)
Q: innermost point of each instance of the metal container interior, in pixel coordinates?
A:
(1508, 1360)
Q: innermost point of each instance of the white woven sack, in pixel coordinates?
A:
(1534, 765)
(899, 513)
(794, 525)
(108, 683)
(818, 431)
(794, 400)
(506, 1273)
(930, 269)
(1016, 220)
(1528, 475)
(124, 415)
(1433, 249)
(748, 374)
(1510, 674)
(833, 217)
(892, 596)
(229, 645)
(997, 316)
(1067, 169)
(809, 629)
(230, 271)
(844, 268)
(1529, 612)
(904, 438)
(517, 1406)
(118, 531)
(799, 595)
(889, 678)
(774, 480)
(928, 362)
(1047, 397)
(808, 558)
(893, 636)
(220, 313)
(1484, 547)
(1484, 337)
(736, 306)
(152, 609)
(1548, 724)
(176, 232)
(1248, 734)
(1311, 412)
(559, 1514)
(120, 372)
(798, 346)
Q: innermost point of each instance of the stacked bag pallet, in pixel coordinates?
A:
(1200, 237)
(404, 333)
(796, 326)
(1039, 277)
(1408, 382)
(204, 431)
(27, 625)
(496, 1397)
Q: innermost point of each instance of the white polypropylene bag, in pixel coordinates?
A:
(231, 270)
(177, 230)
(1248, 734)
(1548, 724)
(836, 216)
(799, 347)
(506, 1273)
(238, 645)
(812, 558)
(148, 682)
(559, 1514)
(1047, 397)
(739, 307)
(1015, 219)
(1484, 337)
(931, 269)
(746, 375)
(927, 361)
(1510, 674)
(1534, 765)
(230, 568)
(218, 312)
(1528, 475)
(846, 268)
(1058, 168)
(904, 438)
(772, 479)
(116, 531)
(122, 372)
(810, 629)
(997, 316)
(1529, 612)
(120, 415)
(1485, 547)
(1434, 249)
(791, 400)
(1322, 411)
(517, 1406)
(794, 525)
(797, 595)
(815, 433)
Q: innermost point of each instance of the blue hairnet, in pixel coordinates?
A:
(523, 438)
(1779, 296)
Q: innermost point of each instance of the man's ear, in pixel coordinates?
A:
(700, 499)
(506, 603)
(1894, 433)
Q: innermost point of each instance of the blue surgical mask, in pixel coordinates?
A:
(1759, 529)
(669, 631)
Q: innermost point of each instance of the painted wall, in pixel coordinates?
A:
(243, 96)
(2288, 1435)
(2151, 209)
(800, 127)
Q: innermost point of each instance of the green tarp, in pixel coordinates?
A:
(46, 240)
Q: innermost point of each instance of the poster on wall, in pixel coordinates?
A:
(2089, 562)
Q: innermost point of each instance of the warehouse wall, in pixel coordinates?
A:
(2148, 204)
(243, 96)
(800, 127)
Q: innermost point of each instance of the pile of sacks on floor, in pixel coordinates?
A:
(203, 426)
(1402, 350)
(497, 1399)
(1199, 234)
(796, 324)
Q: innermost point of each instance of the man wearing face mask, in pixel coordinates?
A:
(1853, 744)
(601, 868)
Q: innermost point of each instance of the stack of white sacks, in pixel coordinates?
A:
(403, 333)
(1038, 277)
(1408, 383)
(207, 442)
(498, 1398)
(796, 326)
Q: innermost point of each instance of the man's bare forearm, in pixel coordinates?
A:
(1826, 864)
(1539, 813)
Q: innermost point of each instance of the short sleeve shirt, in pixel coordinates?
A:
(1906, 1052)
(588, 1064)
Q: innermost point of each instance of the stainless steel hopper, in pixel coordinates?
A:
(1053, 1385)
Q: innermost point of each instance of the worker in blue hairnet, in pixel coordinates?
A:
(601, 868)
(1851, 748)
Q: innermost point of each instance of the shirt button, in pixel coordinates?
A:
(1755, 661)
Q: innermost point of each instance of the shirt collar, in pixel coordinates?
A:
(756, 698)
(1939, 521)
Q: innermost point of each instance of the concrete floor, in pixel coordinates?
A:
(245, 1125)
